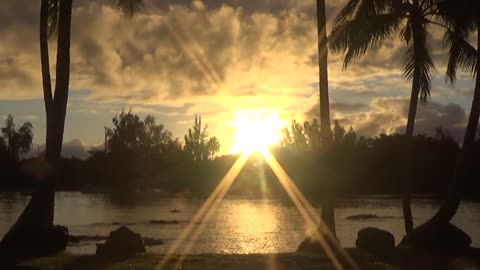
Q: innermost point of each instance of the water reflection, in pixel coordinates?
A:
(250, 223)
(238, 225)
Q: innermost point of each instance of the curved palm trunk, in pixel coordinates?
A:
(418, 43)
(412, 112)
(450, 206)
(328, 213)
(37, 218)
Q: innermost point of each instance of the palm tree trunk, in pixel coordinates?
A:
(46, 78)
(418, 41)
(328, 212)
(412, 112)
(449, 208)
(34, 225)
(62, 75)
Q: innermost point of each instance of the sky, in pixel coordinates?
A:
(213, 58)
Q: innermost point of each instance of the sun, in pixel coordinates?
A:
(256, 130)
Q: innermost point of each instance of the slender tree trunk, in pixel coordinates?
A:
(28, 233)
(328, 212)
(37, 215)
(449, 208)
(62, 76)
(46, 79)
(418, 43)
(412, 112)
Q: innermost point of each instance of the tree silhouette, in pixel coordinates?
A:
(37, 218)
(462, 21)
(16, 142)
(131, 134)
(126, 133)
(198, 144)
(213, 146)
(362, 25)
(328, 214)
(294, 138)
(313, 134)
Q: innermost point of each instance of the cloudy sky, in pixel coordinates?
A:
(214, 58)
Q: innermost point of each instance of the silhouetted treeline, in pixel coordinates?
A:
(14, 143)
(143, 155)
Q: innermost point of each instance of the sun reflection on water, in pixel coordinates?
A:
(250, 223)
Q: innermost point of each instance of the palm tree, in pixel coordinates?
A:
(366, 24)
(55, 18)
(328, 212)
(462, 21)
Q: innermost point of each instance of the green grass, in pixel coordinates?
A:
(286, 261)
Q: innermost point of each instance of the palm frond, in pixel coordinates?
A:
(53, 10)
(429, 6)
(355, 37)
(348, 12)
(364, 24)
(461, 19)
(419, 61)
(406, 33)
(460, 15)
(128, 8)
(461, 54)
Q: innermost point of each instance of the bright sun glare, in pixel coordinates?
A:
(256, 130)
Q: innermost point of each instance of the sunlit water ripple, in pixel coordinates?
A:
(238, 226)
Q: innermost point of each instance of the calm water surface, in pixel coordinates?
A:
(238, 226)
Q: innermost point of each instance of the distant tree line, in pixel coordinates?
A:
(355, 164)
(143, 154)
(14, 144)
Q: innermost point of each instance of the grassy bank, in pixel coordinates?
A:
(286, 261)
(410, 259)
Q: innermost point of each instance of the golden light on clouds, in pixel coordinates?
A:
(256, 130)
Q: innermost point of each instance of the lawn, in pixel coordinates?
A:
(285, 261)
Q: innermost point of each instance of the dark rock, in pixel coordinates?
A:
(366, 216)
(37, 241)
(57, 238)
(376, 241)
(163, 222)
(121, 243)
(121, 224)
(312, 245)
(81, 238)
(75, 239)
(443, 238)
(150, 241)
(362, 216)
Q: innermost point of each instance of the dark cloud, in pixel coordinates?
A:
(337, 107)
(249, 6)
(389, 115)
(344, 107)
(217, 55)
(184, 48)
(178, 49)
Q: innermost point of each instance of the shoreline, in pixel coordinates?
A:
(413, 259)
(167, 194)
(285, 261)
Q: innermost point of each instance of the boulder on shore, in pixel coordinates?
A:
(376, 241)
(313, 245)
(443, 238)
(121, 243)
